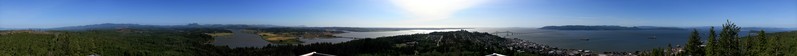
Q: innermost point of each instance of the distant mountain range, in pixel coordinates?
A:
(607, 27)
(105, 26)
(138, 26)
(20, 29)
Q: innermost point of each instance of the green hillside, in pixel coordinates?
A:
(100, 42)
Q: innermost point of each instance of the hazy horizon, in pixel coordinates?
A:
(399, 13)
(374, 26)
(398, 27)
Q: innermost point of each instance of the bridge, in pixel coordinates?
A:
(506, 33)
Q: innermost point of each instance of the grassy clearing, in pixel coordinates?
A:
(218, 34)
(280, 38)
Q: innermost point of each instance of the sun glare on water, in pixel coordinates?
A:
(428, 10)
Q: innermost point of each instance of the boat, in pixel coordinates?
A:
(654, 37)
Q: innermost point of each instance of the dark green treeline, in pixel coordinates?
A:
(728, 43)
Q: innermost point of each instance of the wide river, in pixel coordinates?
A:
(240, 39)
(244, 39)
(599, 40)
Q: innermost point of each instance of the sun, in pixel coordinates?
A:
(428, 10)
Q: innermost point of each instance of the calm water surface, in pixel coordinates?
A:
(243, 39)
(599, 40)
(324, 40)
(240, 39)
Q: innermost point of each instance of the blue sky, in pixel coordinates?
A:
(400, 13)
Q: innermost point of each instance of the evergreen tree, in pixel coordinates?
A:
(762, 36)
(755, 45)
(747, 45)
(693, 44)
(760, 48)
(728, 44)
(711, 43)
(668, 51)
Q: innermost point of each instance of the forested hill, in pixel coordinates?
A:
(117, 42)
(729, 43)
(770, 44)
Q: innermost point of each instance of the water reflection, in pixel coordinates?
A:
(240, 39)
(244, 39)
(324, 40)
(599, 40)
(387, 33)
